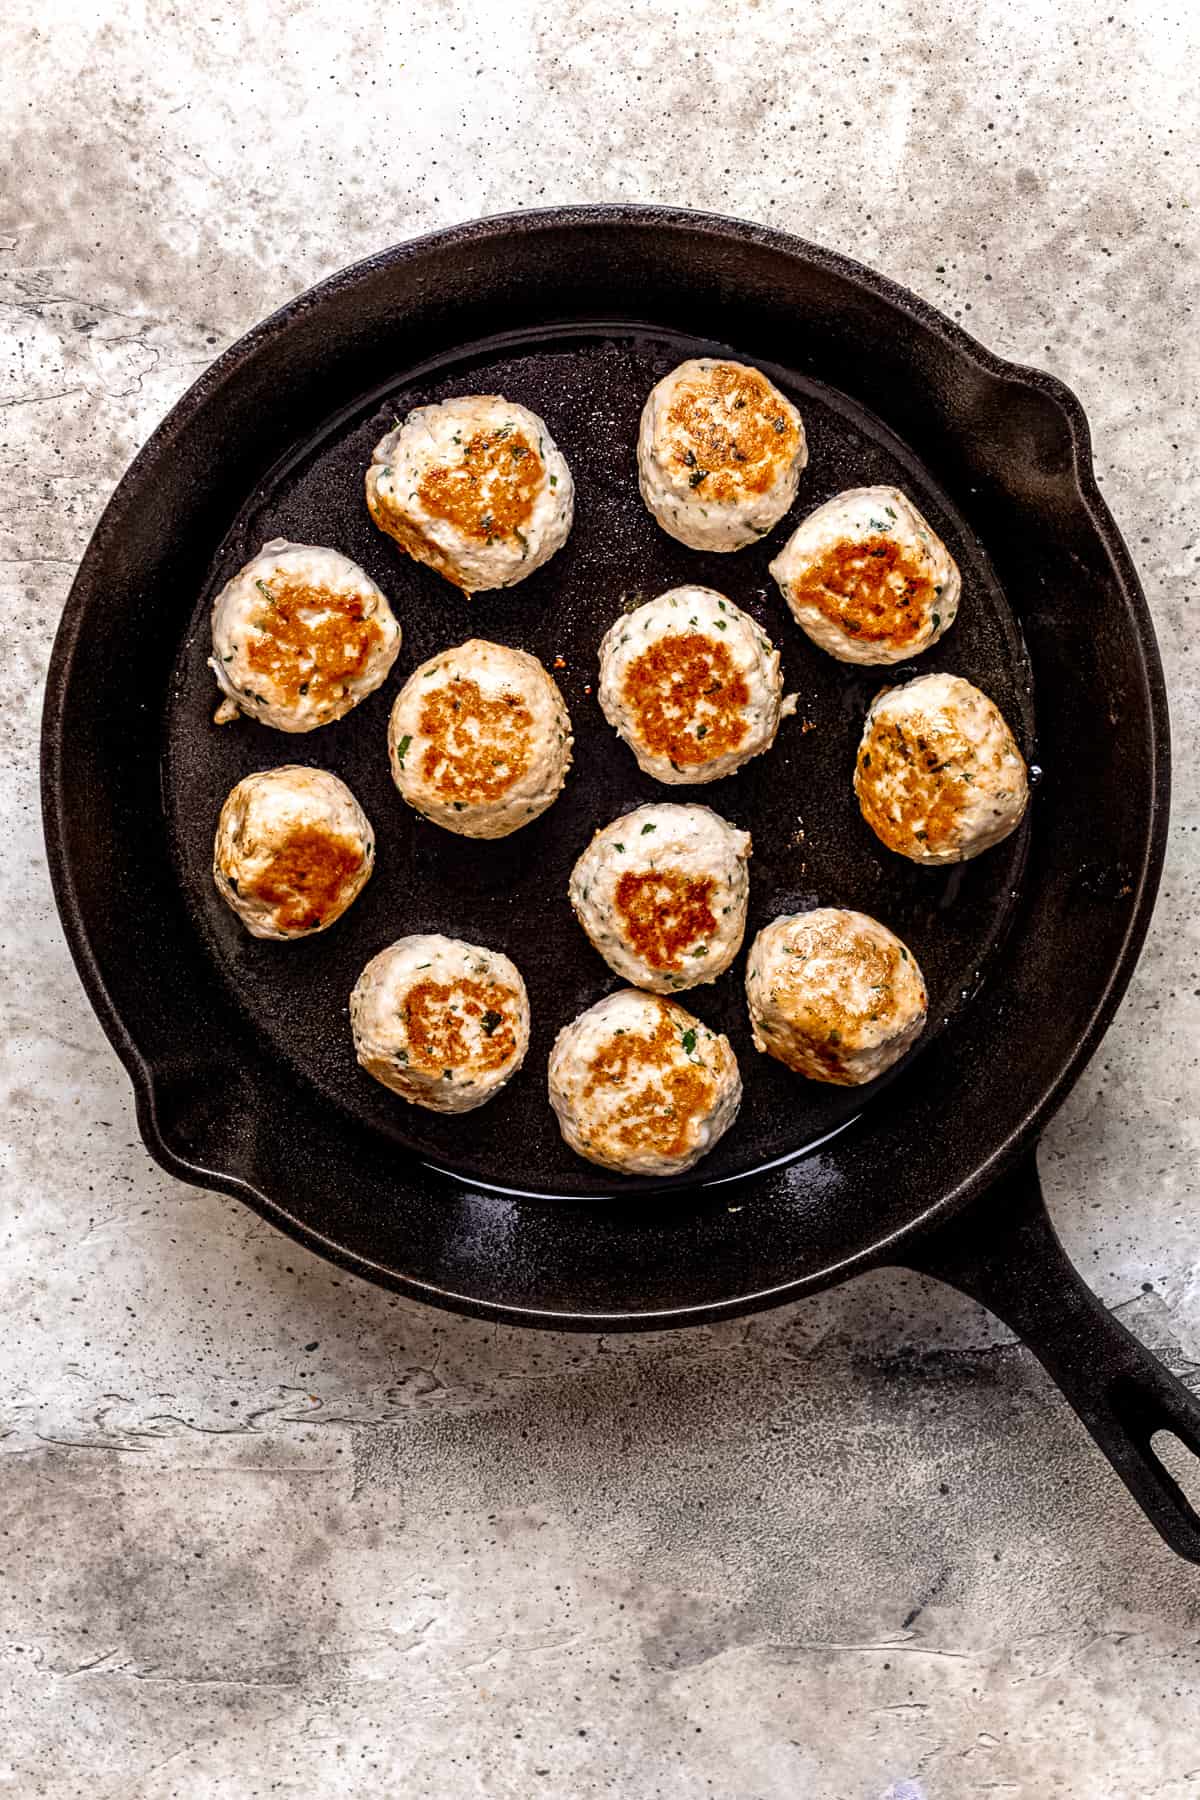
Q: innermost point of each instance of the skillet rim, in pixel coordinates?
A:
(142, 1070)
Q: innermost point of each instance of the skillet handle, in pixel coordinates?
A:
(1003, 1252)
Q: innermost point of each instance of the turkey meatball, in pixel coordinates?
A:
(720, 452)
(442, 1023)
(692, 684)
(480, 739)
(293, 850)
(300, 635)
(641, 1086)
(476, 488)
(834, 995)
(868, 578)
(939, 777)
(662, 894)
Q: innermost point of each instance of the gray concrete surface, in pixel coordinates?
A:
(267, 1531)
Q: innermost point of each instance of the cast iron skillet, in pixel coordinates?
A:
(240, 1052)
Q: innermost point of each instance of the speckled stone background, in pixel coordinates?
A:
(269, 1532)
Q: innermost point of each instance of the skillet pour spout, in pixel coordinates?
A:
(244, 1077)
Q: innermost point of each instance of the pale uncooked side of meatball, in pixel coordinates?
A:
(720, 454)
(692, 684)
(868, 578)
(443, 1023)
(662, 894)
(300, 635)
(480, 739)
(939, 777)
(293, 850)
(475, 488)
(641, 1086)
(834, 995)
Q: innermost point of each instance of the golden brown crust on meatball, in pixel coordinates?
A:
(834, 995)
(474, 487)
(478, 746)
(687, 699)
(730, 457)
(303, 657)
(939, 777)
(657, 1115)
(830, 1016)
(490, 494)
(873, 588)
(438, 1016)
(663, 912)
(306, 879)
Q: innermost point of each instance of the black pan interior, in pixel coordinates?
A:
(810, 845)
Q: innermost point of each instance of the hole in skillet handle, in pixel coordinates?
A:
(1181, 1463)
(1003, 1252)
